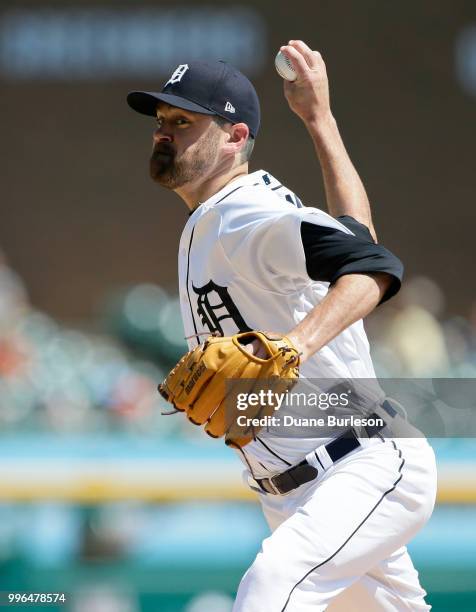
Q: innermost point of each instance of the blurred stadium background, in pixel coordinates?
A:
(100, 495)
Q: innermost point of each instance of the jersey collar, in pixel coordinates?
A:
(254, 178)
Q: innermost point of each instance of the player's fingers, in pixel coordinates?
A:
(312, 57)
(297, 60)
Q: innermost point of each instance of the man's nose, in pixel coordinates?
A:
(161, 136)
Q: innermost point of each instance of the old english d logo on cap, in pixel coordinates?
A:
(177, 75)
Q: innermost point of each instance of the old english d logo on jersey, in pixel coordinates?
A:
(215, 304)
(177, 75)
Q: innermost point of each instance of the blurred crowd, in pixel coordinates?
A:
(54, 378)
(412, 336)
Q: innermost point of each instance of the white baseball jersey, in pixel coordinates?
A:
(242, 266)
(249, 259)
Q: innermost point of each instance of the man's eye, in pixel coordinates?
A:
(181, 121)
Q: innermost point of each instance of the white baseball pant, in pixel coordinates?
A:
(338, 542)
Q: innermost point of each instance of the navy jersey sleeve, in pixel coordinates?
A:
(330, 253)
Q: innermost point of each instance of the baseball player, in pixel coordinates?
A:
(341, 508)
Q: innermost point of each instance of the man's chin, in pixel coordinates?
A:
(161, 175)
(160, 178)
(168, 181)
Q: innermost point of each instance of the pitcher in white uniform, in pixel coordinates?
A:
(252, 257)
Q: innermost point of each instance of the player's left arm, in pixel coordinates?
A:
(351, 298)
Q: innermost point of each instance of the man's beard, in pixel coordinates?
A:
(170, 172)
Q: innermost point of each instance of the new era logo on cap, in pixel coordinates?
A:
(207, 88)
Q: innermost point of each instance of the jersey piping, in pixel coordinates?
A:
(188, 273)
(188, 258)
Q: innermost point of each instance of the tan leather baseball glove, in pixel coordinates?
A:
(205, 383)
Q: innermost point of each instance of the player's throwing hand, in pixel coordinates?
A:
(308, 95)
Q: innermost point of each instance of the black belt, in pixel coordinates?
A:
(336, 449)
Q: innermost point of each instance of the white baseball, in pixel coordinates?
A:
(284, 67)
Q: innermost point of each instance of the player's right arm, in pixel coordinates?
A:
(308, 97)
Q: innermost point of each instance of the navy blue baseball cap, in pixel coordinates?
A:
(210, 88)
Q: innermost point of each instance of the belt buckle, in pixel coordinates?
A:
(260, 488)
(257, 485)
(273, 486)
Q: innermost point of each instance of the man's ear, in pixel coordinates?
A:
(237, 137)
